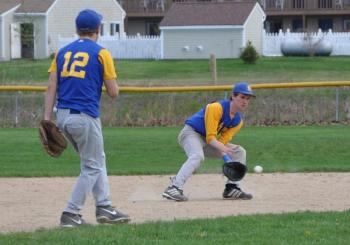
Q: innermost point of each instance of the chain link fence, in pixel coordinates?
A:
(270, 107)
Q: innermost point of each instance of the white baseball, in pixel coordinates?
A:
(258, 169)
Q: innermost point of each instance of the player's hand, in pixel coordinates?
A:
(228, 151)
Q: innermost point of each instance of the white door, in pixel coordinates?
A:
(15, 41)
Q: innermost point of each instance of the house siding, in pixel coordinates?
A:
(224, 43)
(136, 26)
(7, 19)
(40, 45)
(254, 28)
(2, 48)
(70, 9)
(338, 24)
(312, 24)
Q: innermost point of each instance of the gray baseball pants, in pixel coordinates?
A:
(196, 148)
(85, 134)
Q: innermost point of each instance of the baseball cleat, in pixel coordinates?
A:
(108, 214)
(174, 193)
(70, 220)
(232, 191)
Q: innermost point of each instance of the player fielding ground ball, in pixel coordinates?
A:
(77, 74)
(208, 133)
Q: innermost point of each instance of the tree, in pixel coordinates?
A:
(249, 54)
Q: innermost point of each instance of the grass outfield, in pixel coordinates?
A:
(155, 151)
(293, 228)
(185, 72)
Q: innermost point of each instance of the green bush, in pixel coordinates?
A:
(249, 54)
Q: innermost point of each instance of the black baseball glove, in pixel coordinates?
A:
(234, 171)
(51, 138)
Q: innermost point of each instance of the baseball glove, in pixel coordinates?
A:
(234, 171)
(51, 138)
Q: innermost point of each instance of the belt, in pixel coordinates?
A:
(72, 111)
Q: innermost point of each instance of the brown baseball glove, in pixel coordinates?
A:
(51, 138)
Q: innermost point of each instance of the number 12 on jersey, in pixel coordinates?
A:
(80, 60)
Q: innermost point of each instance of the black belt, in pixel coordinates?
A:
(72, 111)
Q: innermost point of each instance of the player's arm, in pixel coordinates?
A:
(109, 74)
(213, 114)
(227, 135)
(112, 88)
(50, 95)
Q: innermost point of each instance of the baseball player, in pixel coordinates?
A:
(208, 132)
(77, 75)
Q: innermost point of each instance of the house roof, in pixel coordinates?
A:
(6, 5)
(35, 6)
(207, 13)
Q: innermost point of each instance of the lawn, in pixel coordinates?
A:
(154, 150)
(293, 228)
(190, 72)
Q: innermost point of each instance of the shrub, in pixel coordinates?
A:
(249, 54)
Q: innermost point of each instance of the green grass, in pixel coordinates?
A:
(155, 151)
(293, 228)
(184, 72)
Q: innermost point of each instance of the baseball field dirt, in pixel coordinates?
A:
(28, 204)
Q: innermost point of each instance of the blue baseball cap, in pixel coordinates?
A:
(88, 20)
(242, 88)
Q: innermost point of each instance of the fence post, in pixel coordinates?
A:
(16, 108)
(337, 104)
(225, 95)
(213, 68)
(281, 37)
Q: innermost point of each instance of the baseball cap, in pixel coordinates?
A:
(243, 88)
(88, 20)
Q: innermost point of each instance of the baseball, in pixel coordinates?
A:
(258, 169)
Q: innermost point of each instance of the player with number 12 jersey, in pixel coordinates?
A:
(81, 67)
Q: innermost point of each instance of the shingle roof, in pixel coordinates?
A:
(35, 6)
(6, 5)
(207, 13)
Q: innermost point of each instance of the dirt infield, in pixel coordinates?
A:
(27, 204)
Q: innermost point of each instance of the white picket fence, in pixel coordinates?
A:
(149, 47)
(340, 41)
(129, 47)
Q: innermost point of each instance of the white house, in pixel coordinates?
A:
(195, 30)
(7, 9)
(31, 28)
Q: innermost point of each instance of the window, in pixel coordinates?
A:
(273, 26)
(115, 29)
(152, 28)
(102, 31)
(347, 25)
(325, 24)
(297, 25)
